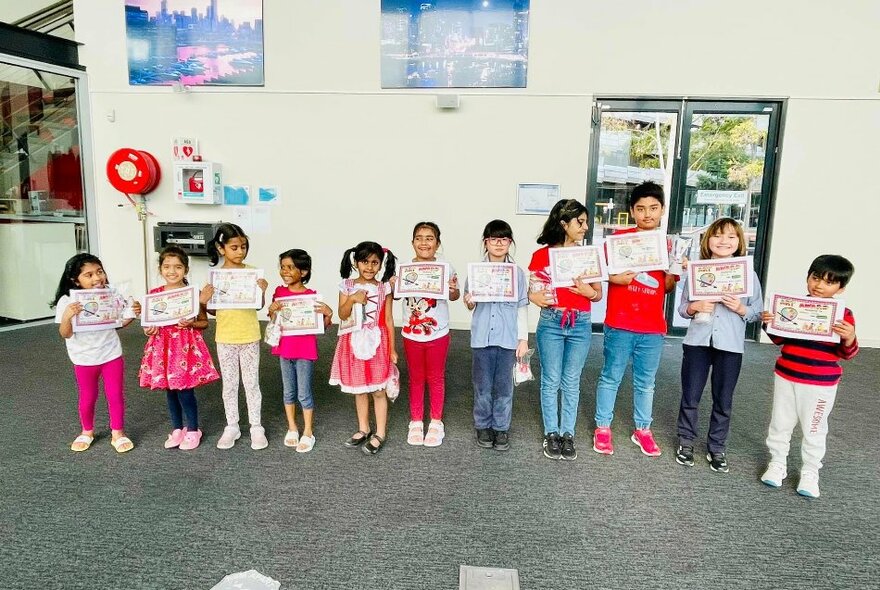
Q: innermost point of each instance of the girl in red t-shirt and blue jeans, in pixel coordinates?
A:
(297, 354)
(634, 328)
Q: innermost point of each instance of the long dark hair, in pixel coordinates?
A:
(176, 252)
(301, 260)
(363, 251)
(72, 269)
(225, 232)
(563, 212)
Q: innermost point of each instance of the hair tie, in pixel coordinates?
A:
(385, 250)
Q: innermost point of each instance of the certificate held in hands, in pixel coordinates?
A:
(167, 308)
(586, 263)
(711, 279)
(101, 310)
(422, 279)
(639, 251)
(298, 315)
(235, 288)
(808, 318)
(492, 281)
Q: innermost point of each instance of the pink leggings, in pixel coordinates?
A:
(426, 362)
(87, 382)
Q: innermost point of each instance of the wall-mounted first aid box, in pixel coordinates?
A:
(198, 183)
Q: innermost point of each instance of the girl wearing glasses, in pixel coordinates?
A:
(564, 329)
(499, 334)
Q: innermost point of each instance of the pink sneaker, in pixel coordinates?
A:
(645, 439)
(191, 440)
(175, 438)
(602, 441)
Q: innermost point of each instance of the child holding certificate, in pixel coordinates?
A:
(499, 335)
(805, 385)
(363, 358)
(634, 328)
(297, 353)
(95, 354)
(176, 357)
(564, 329)
(716, 346)
(426, 343)
(238, 341)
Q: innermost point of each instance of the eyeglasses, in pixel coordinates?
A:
(498, 241)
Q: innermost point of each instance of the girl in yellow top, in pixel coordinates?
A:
(238, 342)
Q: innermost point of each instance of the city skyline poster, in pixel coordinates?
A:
(455, 43)
(194, 42)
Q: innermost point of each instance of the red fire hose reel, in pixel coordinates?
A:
(133, 172)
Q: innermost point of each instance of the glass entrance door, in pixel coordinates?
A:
(713, 159)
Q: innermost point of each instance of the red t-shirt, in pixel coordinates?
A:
(638, 307)
(565, 299)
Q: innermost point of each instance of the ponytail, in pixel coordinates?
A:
(346, 266)
(390, 265)
(225, 231)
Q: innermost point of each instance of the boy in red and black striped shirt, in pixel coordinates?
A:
(805, 386)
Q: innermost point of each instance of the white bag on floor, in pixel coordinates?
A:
(249, 580)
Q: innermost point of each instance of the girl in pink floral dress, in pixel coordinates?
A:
(176, 357)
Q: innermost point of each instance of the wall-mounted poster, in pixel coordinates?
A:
(195, 42)
(455, 43)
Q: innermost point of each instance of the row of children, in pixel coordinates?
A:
(176, 358)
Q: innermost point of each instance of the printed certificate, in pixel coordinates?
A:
(422, 279)
(355, 321)
(298, 316)
(492, 281)
(567, 264)
(809, 318)
(102, 310)
(166, 308)
(235, 288)
(637, 251)
(710, 279)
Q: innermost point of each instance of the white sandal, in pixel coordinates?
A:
(291, 439)
(436, 432)
(416, 436)
(306, 443)
(82, 439)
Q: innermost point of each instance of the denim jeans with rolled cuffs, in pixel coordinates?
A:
(493, 387)
(563, 338)
(296, 379)
(620, 347)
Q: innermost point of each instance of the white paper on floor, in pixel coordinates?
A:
(249, 580)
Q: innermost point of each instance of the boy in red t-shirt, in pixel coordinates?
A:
(634, 328)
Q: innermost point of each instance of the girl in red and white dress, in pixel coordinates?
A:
(177, 359)
(363, 358)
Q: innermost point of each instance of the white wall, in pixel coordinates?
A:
(354, 162)
(12, 10)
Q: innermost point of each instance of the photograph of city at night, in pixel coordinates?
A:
(455, 43)
(195, 42)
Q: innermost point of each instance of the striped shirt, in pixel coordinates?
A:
(814, 363)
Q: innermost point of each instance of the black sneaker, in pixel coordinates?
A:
(502, 442)
(569, 453)
(718, 462)
(685, 456)
(552, 446)
(485, 437)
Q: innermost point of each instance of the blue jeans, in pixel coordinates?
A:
(563, 344)
(620, 347)
(493, 387)
(183, 402)
(296, 378)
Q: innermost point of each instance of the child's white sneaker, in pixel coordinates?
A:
(258, 438)
(809, 484)
(228, 438)
(774, 475)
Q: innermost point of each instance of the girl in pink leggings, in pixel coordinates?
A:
(96, 353)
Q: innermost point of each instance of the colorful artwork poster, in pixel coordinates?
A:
(235, 288)
(807, 318)
(167, 308)
(422, 279)
(298, 315)
(455, 43)
(711, 279)
(584, 262)
(101, 309)
(639, 251)
(492, 281)
(204, 43)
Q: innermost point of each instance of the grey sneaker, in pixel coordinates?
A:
(228, 438)
(502, 441)
(258, 438)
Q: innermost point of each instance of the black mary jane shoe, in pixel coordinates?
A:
(372, 449)
(356, 441)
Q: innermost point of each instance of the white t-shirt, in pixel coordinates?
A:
(89, 348)
(426, 319)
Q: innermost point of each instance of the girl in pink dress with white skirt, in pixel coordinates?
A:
(363, 359)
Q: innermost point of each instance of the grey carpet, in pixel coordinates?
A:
(408, 517)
